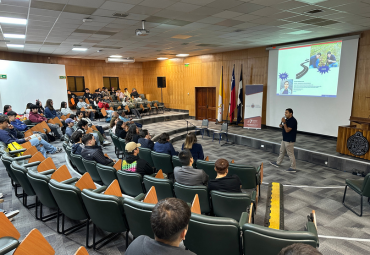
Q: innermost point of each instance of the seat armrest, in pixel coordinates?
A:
(22, 157)
(32, 164)
(140, 197)
(69, 181)
(312, 229)
(100, 189)
(17, 151)
(46, 172)
(253, 196)
(243, 219)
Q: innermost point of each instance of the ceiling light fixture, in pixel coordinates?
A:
(162, 58)
(124, 60)
(13, 21)
(15, 45)
(79, 49)
(14, 36)
(182, 55)
(115, 56)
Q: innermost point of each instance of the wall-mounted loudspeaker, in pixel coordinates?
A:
(161, 82)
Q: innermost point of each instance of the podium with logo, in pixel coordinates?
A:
(353, 140)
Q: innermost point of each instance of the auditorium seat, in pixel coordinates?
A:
(106, 173)
(231, 205)
(176, 161)
(208, 167)
(117, 146)
(163, 187)
(250, 176)
(146, 154)
(187, 194)
(223, 131)
(361, 187)
(162, 161)
(106, 213)
(131, 183)
(77, 162)
(122, 144)
(34, 243)
(9, 235)
(203, 127)
(90, 167)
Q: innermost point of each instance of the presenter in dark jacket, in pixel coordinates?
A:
(289, 127)
(194, 147)
(145, 139)
(223, 182)
(164, 146)
(94, 152)
(133, 163)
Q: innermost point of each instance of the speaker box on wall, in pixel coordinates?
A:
(161, 82)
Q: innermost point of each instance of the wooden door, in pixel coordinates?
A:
(205, 103)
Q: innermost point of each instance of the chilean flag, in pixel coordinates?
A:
(232, 97)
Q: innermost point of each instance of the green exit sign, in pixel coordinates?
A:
(62, 77)
(3, 76)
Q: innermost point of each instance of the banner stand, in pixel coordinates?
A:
(253, 106)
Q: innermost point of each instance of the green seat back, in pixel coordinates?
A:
(7, 161)
(176, 161)
(366, 186)
(68, 150)
(69, 200)
(105, 211)
(247, 175)
(208, 167)
(40, 185)
(122, 144)
(162, 161)
(231, 205)
(90, 167)
(106, 173)
(138, 217)
(20, 173)
(131, 183)
(77, 162)
(273, 239)
(145, 153)
(163, 187)
(213, 235)
(187, 193)
(116, 142)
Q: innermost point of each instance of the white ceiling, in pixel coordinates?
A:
(208, 26)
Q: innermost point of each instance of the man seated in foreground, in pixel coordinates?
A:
(9, 137)
(169, 221)
(94, 152)
(133, 163)
(187, 175)
(223, 182)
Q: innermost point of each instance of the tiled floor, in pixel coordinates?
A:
(323, 194)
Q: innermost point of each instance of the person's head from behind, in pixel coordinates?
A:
(29, 105)
(299, 249)
(132, 129)
(328, 54)
(88, 140)
(132, 148)
(164, 138)
(77, 137)
(72, 116)
(7, 108)
(318, 55)
(169, 220)
(34, 108)
(221, 166)
(38, 103)
(63, 105)
(190, 139)
(288, 113)
(286, 85)
(4, 121)
(49, 104)
(186, 158)
(12, 116)
(144, 133)
(80, 99)
(83, 124)
(120, 125)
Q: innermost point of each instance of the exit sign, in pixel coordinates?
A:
(62, 77)
(3, 76)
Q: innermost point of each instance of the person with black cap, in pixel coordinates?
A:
(133, 163)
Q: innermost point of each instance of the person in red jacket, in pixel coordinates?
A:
(35, 117)
(105, 105)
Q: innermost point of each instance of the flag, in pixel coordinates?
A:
(220, 99)
(240, 98)
(232, 97)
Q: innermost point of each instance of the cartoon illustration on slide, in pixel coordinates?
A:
(286, 87)
(304, 71)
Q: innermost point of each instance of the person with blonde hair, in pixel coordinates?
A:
(194, 147)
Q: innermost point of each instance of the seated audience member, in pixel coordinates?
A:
(223, 182)
(169, 221)
(120, 95)
(194, 147)
(187, 174)
(299, 249)
(70, 124)
(40, 108)
(104, 105)
(7, 108)
(74, 117)
(94, 152)
(134, 93)
(71, 95)
(77, 146)
(10, 136)
(146, 139)
(113, 122)
(105, 93)
(50, 112)
(81, 104)
(132, 134)
(122, 116)
(19, 125)
(100, 129)
(37, 118)
(126, 93)
(88, 95)
(121, 131)
(97, 93)
(164, 146)
(28, 110)
(132, 162)
(83, 126)
(113, 91)
(64, 109)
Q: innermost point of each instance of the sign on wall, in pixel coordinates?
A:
(253, 106)
(3, 76)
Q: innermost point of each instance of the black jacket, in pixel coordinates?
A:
(146, 143)
(142, 167)
(77, 148)
(135, 94)
(95, 153)
(121, 133)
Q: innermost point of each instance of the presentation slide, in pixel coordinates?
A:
(309, 70)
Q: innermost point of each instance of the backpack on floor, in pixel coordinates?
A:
(15, 146)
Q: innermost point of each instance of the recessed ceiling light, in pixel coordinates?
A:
(299, 32)
(15, 45)
(162, 58)
(182, 55)
(125, 60)
(115, 56)
(80, 49)
(13, 20)
(14, 36)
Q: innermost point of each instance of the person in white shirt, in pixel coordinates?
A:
(64, 109)
(81, 104)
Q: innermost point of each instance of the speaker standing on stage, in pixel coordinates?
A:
(289, 126)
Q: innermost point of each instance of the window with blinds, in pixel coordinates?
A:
(111, 82)
(76, 83)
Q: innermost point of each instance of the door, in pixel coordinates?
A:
(205, 103)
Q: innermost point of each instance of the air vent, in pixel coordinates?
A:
(314, 11)
(120, 15)
(238, 30)
(77, 45)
